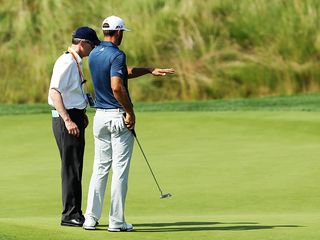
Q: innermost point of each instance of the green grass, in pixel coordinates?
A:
(220, 48)
(242, 175)
(303, 102)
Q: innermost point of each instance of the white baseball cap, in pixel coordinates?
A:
(113, 23)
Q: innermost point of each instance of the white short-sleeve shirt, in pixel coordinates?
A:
(66, 79)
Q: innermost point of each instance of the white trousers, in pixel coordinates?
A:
(113, 149)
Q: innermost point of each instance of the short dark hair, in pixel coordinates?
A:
(109, 32)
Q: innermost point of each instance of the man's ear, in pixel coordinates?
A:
(81, 43)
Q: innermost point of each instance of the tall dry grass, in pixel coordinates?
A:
(220, 48)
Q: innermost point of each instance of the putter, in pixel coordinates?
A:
(154, 177)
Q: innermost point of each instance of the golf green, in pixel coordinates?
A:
(233, 175)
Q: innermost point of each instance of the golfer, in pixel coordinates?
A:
(113, 122)
(66, 96)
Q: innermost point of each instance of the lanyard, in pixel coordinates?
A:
(78, 65)
(82, 80)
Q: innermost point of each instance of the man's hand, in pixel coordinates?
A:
(162, 72)
(58, 104)
(72, 127)
(130, 120)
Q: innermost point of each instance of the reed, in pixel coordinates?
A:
(220, 48)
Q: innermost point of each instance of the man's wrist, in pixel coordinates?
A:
(130, 112)
(67, 120)
(150, 70)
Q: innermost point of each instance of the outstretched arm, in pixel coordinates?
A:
(134, 72)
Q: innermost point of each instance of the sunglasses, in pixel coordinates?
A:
(86, 41)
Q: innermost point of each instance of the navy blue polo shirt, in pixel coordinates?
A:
(106, 61)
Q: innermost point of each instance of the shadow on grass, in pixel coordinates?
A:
(198, 226)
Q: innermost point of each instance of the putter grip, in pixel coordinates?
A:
(134, 133)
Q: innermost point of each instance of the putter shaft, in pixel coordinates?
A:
(154, 177)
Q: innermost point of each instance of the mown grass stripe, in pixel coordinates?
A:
(306, 102)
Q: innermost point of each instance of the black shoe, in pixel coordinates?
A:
(72, 223)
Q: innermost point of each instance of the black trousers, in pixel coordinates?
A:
(71, 150)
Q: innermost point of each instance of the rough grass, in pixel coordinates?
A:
(306, 102)
(220, 48)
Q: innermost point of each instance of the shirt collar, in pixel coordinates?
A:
(79, 59)
(108, 44)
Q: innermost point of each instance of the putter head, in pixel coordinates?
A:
(165, 195)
